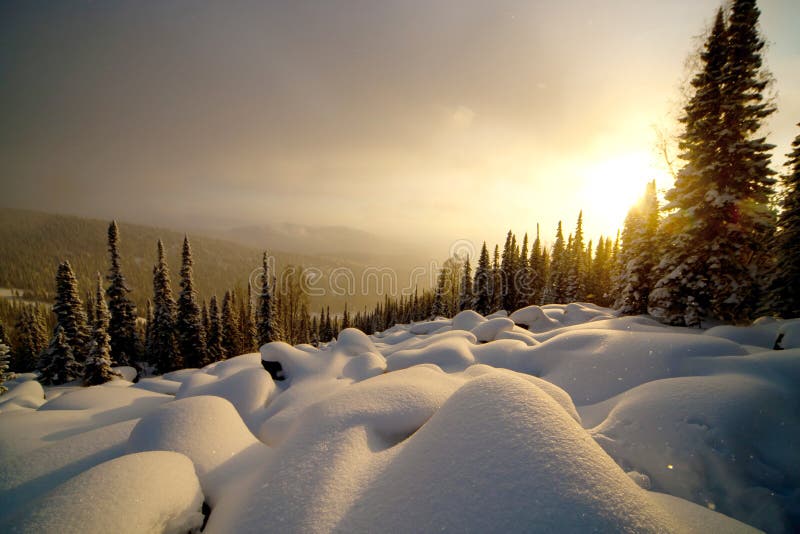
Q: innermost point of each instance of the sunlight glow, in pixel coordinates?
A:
(612, 186)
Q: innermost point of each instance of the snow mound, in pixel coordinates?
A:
(153, 492)
(108, 397)
(467, 320)
(495, 445)
(429, 327)
(450, 353)
(249, 390)
(728, 442)
(534, 319)
(27, 394)
(158, 385)
(347, 361)
(762, 335)
(489, 330)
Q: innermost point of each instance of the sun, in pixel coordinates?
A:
(611, 186)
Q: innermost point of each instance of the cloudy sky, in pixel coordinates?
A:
(430, 120)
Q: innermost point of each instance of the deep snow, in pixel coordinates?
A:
(559, 418)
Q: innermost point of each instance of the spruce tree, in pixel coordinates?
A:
(231, 335)
(58, 364)
(575, 283)
(467, 295)
(497, 281)
(345, 318)
(268, 328)
(5, 358)
(639, 254)
(715, 240)
(122, 322)
(786, 286)
(538, 272)
(31, 336)
(483, 283)
(556, 283)
(214, 339)
(69, 311)
(97, 369)
(188, 326)
(439, 304)
(163, 349)
(508, 272)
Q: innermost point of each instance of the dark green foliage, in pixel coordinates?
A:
(268, 329)
(231, 334)
(467, 295)
(188, 326)
(639, 254)
(5, 374)
(162, 348)
(58, 364)
(555, 289)
(786, 285)
(214, 336)
(122, 321)
(97, 368)
(483, 283)
(31, 339)
(69, 311)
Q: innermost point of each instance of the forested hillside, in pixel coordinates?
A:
(32, 244)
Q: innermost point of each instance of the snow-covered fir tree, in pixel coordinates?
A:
(497, 281)
(786, 284)
(122, 322)
(31, 339)
(639, 254)
(5, 361)
(466, 298)
(508, 272)
(440, 307)
(575, 283)
(97, 368)
(69, 311)
(231, 335)
(483, 283)
(537, 270)
(214, 339)
(188, 323)
(162, 349)
(556, 282)
(716, 234)
(267, 325)
(58, 364)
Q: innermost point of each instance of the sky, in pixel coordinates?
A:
(427, 121)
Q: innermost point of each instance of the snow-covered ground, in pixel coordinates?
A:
(580, 422)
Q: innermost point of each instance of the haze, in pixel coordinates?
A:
(424, 121)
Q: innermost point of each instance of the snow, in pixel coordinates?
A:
(559, 417)
(153, 492)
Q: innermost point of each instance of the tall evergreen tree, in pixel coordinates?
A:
(639, 254)
(188, 325)
(231, 334)
(122, 323)
(439, 300)
(467, 295)
(575, 283)
(508, 271)
(537, 270)
(97, 369)
(5, 373)
(58, 364)
(497, 281)
(786, 286)
(31, 336)
(715, 240)
(214, 339)
(556, 283)
(483, 283)
(163, 349)
(268, 327)
(69, 311)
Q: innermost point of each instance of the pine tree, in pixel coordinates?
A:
(97, 369)
(5, 374)
(58, 364)
(214, 339)
(163, 350)
(148, 333)
(497, 281)
(188, 324)
(715, 241)
(345, 318)
(31, 336)
(483, 283)
(639, 254)
(786, 286)
(122, 323)
(508, 272)
(538, 272)
(231, 335)
(439, 304)
(69, 311)
(267, 318)
(575, 283)
(556, 283)
(467, 295)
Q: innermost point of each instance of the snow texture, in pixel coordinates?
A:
(553, 418)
